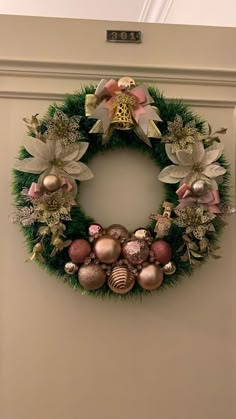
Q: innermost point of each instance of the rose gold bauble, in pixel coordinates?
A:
(51, 183)
(71, 268)
(150, 277)
(126, 83)
(91, 276)
(95, 229)
(136, 251)
(142, 233)
(169, 268)
(162, 251)
(199, 187)
(121, 280)
(117, 231)
(107, 249)
(79, 250)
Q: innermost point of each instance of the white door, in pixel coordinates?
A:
(65, 355)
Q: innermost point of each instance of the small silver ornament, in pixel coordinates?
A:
(71, 268)
(95, 230)
(169, 268)
(142, 234)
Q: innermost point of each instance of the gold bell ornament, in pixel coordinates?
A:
(122, 118)
(122, 105)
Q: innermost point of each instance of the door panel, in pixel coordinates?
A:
(69, 356)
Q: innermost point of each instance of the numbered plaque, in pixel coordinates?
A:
(133, 37)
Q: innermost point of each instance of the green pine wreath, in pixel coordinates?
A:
(53, 220)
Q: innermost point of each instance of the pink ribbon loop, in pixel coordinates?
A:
(106, 88)
(36, 190)
(66, 185)
(208, 200)
(140, 96)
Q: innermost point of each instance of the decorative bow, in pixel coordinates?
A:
(36, 190)
(207, 200)
(103, 105)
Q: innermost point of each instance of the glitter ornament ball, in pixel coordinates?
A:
(121, 280)
(162, 251)
(95, 229)
(169, 268)
(142, 234)
(79, 250)
(51, 182)
(107, 249)
(136, 251)
(71, 268)
(91, 276)
(150, 278)
(117, 231)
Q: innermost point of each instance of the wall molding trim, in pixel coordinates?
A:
(50, 80)
(34, 95)
(52, 69)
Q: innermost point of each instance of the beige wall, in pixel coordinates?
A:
(65, 355)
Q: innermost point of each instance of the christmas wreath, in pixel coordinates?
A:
(110, 260)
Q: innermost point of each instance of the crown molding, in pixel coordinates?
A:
(165, 11)
(155, 11)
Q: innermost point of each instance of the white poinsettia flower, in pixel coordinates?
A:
(51, 157)
(201, 164)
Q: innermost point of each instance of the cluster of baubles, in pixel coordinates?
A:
(121, 260)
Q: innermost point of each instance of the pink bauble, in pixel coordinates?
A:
(162, 251)
(79, 250)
